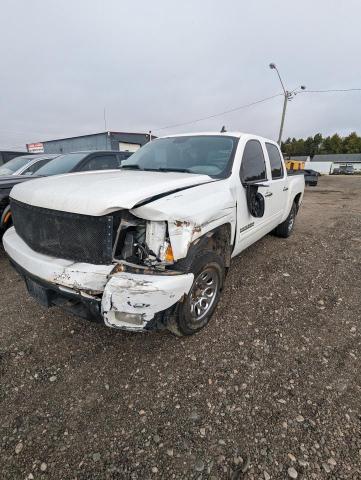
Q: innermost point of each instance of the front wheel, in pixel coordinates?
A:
(197, 308)
(285, 228)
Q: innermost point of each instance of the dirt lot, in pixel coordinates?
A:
(273, 384)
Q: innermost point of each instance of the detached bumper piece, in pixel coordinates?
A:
(131, 301)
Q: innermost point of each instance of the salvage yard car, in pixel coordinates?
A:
(25, 164)
(148, 247)
(53, 165)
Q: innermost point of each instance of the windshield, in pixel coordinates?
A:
(13, 165)
(62, 164)
(203, 154)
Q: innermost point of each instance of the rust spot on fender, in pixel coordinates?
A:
(185, 223)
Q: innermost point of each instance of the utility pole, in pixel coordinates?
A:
(105, 120)
(288, 96)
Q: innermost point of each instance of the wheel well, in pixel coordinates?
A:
(218, 241)
(297, 200)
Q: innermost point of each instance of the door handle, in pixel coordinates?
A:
(268, 194)
(285, 189)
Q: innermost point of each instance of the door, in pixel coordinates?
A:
(253, 169)
(278, 189)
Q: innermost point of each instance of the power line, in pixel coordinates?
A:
(333, 90)
(219, 114)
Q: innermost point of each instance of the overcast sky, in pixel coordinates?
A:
(162, 62)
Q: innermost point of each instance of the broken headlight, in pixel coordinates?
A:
(142, 242)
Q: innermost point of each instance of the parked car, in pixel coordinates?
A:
(7, 155)
(148, 247)
(67, 163)
(311, 177)
(344, 170)
(347, 170)
(25, 164)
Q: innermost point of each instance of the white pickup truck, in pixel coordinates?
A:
(148, 247)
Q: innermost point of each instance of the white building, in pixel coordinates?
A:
(336, 160)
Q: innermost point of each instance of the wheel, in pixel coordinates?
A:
(285, 228)
(196, 310)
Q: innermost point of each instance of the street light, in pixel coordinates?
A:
(288, 96)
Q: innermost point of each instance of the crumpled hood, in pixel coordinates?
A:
(99, 193)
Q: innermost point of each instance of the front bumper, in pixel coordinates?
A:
(122, 300)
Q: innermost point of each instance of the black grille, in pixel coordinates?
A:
(82, 238)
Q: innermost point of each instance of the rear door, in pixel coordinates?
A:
(277, 193)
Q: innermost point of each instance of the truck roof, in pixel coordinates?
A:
(236, 134)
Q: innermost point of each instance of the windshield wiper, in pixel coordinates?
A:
(132, 166)
(174, 169)
(160, 169)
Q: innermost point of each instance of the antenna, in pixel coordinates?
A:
(223, 130)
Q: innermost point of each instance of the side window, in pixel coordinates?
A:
(102, 162)
(35, 166)
(253, 166)
(275, 161)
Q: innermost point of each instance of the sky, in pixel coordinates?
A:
(153, 64)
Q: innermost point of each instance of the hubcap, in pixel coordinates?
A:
(203, 293)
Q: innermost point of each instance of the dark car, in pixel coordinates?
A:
(67, 163)
(347, 170)
(311, 177)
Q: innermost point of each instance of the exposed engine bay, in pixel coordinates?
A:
(142, 242)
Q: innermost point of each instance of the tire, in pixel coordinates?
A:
(197, 307)
(285, 228)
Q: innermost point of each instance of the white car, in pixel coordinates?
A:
(26, 164)
(148, 246)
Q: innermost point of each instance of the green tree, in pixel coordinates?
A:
(352, 143)
(317, 144)
(336, 144)
(317, 141)
(326, 146)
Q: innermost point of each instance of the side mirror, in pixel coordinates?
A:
(255, 201)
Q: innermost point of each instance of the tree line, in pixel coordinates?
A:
(321, 145)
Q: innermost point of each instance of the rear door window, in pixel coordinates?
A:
(275, 161)
(253, 166)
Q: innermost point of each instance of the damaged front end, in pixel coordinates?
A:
(142, 286)
(130, 284)
(124, 264)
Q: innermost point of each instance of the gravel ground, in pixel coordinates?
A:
(269, 390)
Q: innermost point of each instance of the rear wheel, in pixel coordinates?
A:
(197, 308)
(285, 228)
